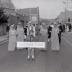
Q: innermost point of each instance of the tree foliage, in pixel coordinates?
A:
(3, 16)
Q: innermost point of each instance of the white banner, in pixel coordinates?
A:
(30, 45)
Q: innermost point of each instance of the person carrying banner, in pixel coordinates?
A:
(31, 34)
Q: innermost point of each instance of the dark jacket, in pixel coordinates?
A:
(49, 31)
(60, 28)
(25, 31)
(63, 28)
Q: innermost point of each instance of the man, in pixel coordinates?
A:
(49, 32)
(25, 32)
(60, 32)
(63, 28)
(70, 27)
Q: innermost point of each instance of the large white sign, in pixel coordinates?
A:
(30, 45)
(34, 18)
(14, 14)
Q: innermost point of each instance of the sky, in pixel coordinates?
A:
(48, 8)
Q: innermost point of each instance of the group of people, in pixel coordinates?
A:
(55, 31)
(18, 34)
(54, 35)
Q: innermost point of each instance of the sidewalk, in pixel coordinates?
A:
(3, 38)
(68, 37)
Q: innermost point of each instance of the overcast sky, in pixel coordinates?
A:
(48, 8)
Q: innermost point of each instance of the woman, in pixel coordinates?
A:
(54, 38)
(12, 38)
(20, 33)
(31, 50)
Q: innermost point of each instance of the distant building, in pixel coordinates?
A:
(46, 21)
(30, 13)
(65, 15)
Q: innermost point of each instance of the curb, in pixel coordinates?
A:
(4, 41)
(67, 41)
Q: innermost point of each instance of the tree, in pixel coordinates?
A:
(3, 17)
(3, 21)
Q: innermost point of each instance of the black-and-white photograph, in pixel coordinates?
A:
(35, 35)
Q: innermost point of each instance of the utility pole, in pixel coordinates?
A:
(66, 5)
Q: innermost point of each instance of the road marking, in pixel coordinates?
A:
(67, 34)
(67, 41)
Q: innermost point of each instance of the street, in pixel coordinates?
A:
(33, 22)
(45, 61)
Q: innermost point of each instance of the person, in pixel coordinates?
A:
(54, 38)
(70, 27)
(7, 28)
(20, 32)
(67, 27)
(34, 31)
(25, 32)
(61, 29)
(49, 32)
(31, 50)
(12, 38)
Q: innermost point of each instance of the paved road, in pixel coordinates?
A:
(45, 61)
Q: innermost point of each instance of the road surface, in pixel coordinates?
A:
(47, 61)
